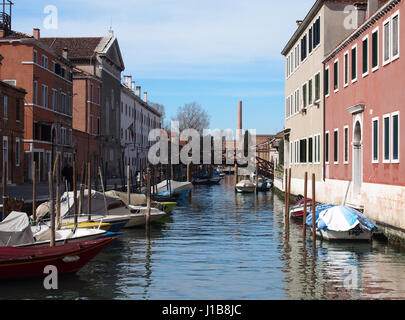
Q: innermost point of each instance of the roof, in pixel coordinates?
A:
(366, 24)
(78, 47)
(140, 101)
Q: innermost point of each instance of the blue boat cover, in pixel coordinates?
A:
(339, 218)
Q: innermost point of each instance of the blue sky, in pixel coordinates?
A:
(212, 52)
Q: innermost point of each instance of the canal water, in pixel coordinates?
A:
(222, 245)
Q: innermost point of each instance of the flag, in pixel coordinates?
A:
(131, 129)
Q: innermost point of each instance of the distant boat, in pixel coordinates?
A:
(31, 261)
(297, 211)
(245, 186)
(341, 223)
(176, 189)
(207, 180)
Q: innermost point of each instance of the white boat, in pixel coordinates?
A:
(245, 186)
(341, 223)
(172, 188)
(117, 213)
(17, 231)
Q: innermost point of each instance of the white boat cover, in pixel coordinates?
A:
(176, 186)
(16, 230)
(245, 183)
(137, 199)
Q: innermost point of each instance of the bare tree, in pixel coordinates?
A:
(192, 116)
(161, 109)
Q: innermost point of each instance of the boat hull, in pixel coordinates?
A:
(245, 189)
(364, 235)
(31, 262)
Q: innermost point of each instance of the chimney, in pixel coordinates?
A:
(361, 11)
(372, 7)
(37, 33)
(145, 96)
(298, 22)
(65, 53)
(240, 115)
(133, 86)
(128, 81)
(138, 91)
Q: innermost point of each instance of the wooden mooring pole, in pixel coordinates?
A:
(304, 218)
(313, 211)
(4, 187)
(52, 209)
(129, 184)
(148, 202)
(286, 194)
(74, 195)
(288, 197)
(89, 191)
(34, 192)
(58, 191)
(102, 185)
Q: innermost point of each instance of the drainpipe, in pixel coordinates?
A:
(323, 124)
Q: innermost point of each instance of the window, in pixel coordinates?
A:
(304, 48)
(317, 148)
(55, 99)
(63, 102)
(292, 62)
(91, 124)
(35, 92)
(354, 63)
(395, 36)
(17, 152)
(296, 151)
(346, 145)
(17, 110)
(336, 75)
(310, 149)
(395, 137)
(287, 107)
(346, 69)
(98, 95)
(297, 101)
(5, 107)
(304, 96)
(365, 56)
(326, 82)
(317, 87)
(317, 32)
(386, 138)
(327, 147)
(374, 51)
(375, 140)
(35, 57)
(63, 72)
(386, 42)
(98, 126)
(303, 150)
(44, 96)
(310, 39)
(91, 92)
(70, 105)
(336, 146)
(297, 56)
(44, 61)
(310, 101)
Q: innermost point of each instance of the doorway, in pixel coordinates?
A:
(357, 159)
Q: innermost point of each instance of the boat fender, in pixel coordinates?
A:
(68, 259)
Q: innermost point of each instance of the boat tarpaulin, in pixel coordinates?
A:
(339, 218)
(16, 230)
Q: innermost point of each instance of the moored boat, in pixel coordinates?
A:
(297, 211)
(25, 262)
(245, 186)
(341, 223)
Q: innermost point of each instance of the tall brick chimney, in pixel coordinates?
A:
(145, 96)
(138, 91)
(36, 33)
(240, 115)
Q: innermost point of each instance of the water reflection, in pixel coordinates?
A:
(224, 245)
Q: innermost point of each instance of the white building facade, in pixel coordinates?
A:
(138, 118)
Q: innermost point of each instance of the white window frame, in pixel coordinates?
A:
(396, 113)
(311, 89)
(386, 116)
(5, 107)
(45, 60)
(312, 153)
(368, 56)
(337, 146)
(35, 92)
(35, 56)
(385, 62)
(357, 63)
(297, 101)
(346, 143)
(375, 119)
(55, 105)
(46, 100)
(291, 153)
(320, 87)
(346, 67)
(324, 80)
(304, 100)
(327, 149)
(396, 14)
(376, 30)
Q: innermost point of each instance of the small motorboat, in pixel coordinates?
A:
(25, 262)
(245, 186)
(174, 189)
(297, 211)
(341, 223)
(207, 180)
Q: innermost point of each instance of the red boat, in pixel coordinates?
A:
(19, 262)
(297, 211)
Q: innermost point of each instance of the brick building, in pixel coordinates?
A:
(47, 78)
(12, 130)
